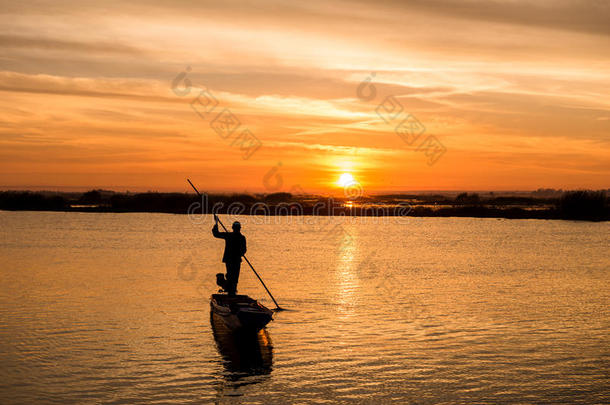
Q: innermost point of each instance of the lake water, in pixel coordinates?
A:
(114, 308)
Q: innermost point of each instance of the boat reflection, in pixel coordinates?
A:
(244, 355)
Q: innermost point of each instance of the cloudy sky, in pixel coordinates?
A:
(506, 94)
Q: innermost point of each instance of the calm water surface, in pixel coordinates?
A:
(114, 308)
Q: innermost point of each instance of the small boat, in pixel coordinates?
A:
(240, 312)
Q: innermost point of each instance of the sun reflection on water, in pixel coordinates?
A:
(348, 282)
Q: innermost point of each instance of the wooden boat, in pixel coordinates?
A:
(240, 312)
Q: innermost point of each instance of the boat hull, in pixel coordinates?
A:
(240, 312)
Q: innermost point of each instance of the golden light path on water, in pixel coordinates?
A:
(348, 281)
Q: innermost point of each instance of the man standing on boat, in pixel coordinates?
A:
(235, 248)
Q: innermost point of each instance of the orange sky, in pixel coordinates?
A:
(516, 92)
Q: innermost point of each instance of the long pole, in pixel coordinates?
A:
(247, 261)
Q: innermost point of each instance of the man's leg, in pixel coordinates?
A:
(232, 277)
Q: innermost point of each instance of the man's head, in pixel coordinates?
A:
(236, 226)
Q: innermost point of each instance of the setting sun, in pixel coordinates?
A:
(345, 180)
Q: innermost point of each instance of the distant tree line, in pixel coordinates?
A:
(574, 205)
(584, 205)
(29, 201)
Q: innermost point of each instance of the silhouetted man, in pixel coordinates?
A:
(235, 248)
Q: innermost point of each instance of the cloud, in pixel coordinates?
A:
(588, 16)
(12, 41)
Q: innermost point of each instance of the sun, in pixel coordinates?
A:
(345, 180)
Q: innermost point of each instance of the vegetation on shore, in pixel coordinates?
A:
(575, 205)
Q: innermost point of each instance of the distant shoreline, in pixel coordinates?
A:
(573, 205)
(498, 214)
